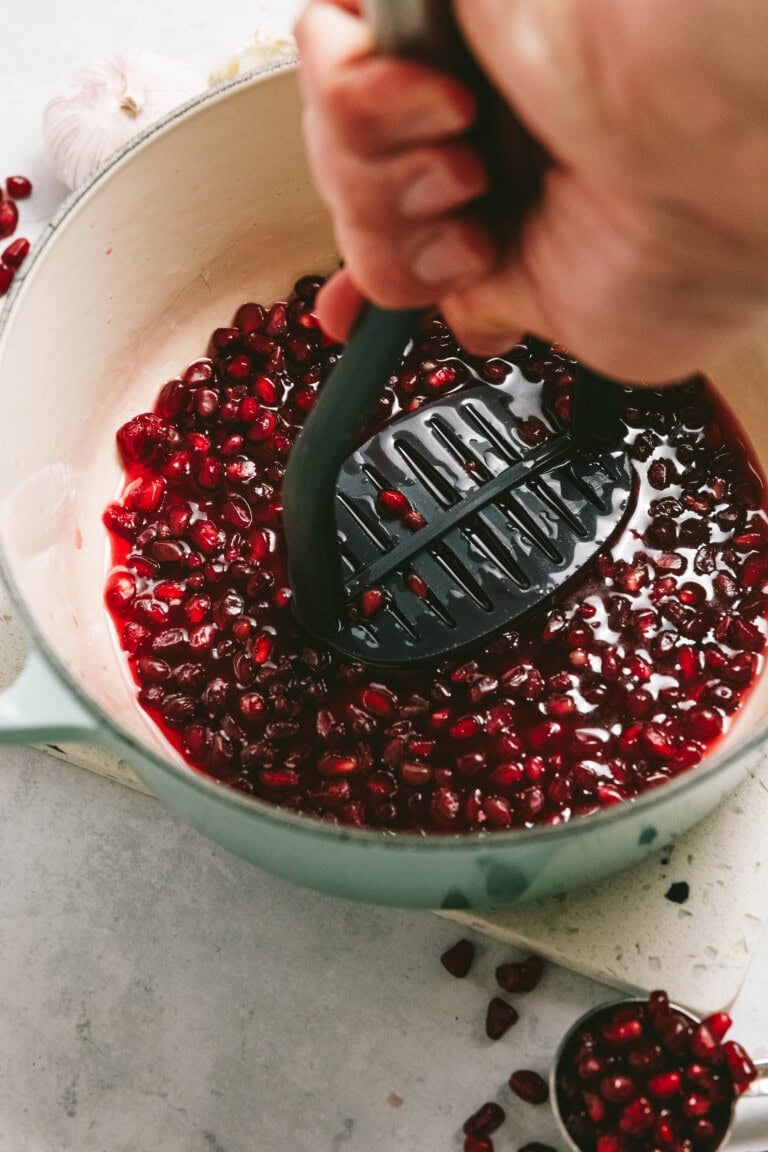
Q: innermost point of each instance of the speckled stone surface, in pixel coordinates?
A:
(690, 917)
(156, 993)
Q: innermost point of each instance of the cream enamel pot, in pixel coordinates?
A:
(209, 209)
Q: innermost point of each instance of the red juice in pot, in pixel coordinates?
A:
(629, 679)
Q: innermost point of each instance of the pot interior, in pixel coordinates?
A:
(214, 208)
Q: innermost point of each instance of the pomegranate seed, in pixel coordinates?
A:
(140, 439)
(121, 521)
(279, 779)
(595, 1105)
(590, 1067)
(488, 1118)
(664, 1085)
(704, 1132)
(146, 495)
(637, 1117)
(520, 977)
(609, 1142)
(266, 391)
(414, 520)
(619, 1033)
(446, 805)
(392, 503)
(458, 959)
(478, 1144)
(696, 1105)
(18, 187)
(466, 728)
(263, 427)
(333, 764)
(533, 431)
(718, 1024)
(529, 1086)
(6, 277)
(646, 1057)
(416, 584)
(205, 536)
(277, 320)
(16, 252)
(134, 636)
(379, 701)
(740, 1065)
(499, 1018)
(705, 1045)
(664, 1133)
(250, 318)
(9, 218)
(120, 591)
(617, 1089)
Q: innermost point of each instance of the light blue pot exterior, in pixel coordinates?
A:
(47, 703)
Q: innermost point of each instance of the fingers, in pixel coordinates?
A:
(329, 36)
(410, 268)
(374, 105)
(386, 144)
(339, 304)
(387, 193)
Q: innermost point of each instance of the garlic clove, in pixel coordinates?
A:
(107, 105)
(263, 48)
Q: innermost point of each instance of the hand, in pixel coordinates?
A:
(647, 255)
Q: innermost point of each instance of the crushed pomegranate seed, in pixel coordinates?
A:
(458, 959)
(630, 678)
(18, 187)
(644, 1076)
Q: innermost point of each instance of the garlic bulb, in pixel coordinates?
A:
(262, 49)
(107, 105)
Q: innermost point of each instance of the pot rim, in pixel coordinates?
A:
(647, 803)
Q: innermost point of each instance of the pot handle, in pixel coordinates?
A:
(38, 708)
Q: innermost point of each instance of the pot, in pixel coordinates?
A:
(210, 208)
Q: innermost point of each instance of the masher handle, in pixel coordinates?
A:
(424, 30)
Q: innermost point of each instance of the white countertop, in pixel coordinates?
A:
(157, 994)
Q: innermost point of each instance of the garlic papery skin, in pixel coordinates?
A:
(264, 48)
(107, 105)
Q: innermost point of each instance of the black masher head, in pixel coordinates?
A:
(505, 524)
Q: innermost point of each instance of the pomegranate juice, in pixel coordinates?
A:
(624, 682)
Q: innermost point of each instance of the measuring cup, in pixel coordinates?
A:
(593, 1018)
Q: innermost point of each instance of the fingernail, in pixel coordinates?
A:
(433, 192)
(446, 257)
(436, 121)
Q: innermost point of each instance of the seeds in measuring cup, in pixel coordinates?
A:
(646, 1077)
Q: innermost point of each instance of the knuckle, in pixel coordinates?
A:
(379, 269)
(354, 118)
